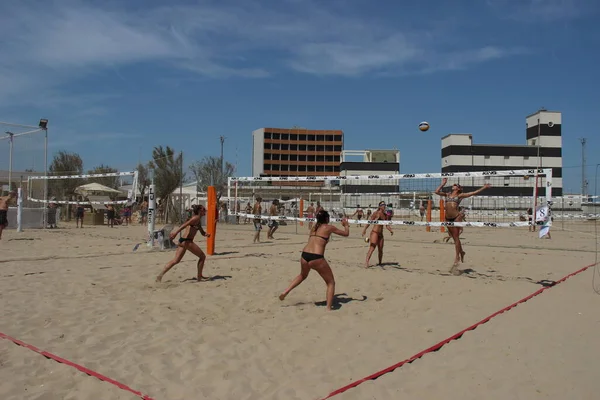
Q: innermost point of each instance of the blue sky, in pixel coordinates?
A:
(116, 78)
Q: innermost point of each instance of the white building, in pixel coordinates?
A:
(372, 163)
(543, 149)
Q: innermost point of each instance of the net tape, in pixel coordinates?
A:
(523, 172)
(393, 222)
(83, 176)
(79, 202)
(86, 176)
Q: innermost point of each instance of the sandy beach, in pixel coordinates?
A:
(84, 295)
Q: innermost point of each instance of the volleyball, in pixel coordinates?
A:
(424, 126)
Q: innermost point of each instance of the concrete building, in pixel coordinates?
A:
(296, 152)
(373, 163)
(543, 149)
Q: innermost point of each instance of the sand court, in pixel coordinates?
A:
(87, 297)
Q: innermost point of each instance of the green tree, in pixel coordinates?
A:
(143, 179)
(168, 176)
(208, 173)
(110, 181)
(65, 163)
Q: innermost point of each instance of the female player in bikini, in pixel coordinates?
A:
(453, 214)
(376, 239)
(313, 255)
(186, 242)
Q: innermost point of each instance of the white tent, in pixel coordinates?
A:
(94, 188)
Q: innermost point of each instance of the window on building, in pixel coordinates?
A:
(293, 147)
(320, 148)
(285, 136)
(276, 136)
(267, 156)
(330, 138)
(294, 136)
(302, 168)
(302, 137)
(329, 158)
(320, 158)
(310, 168)
(311, 138)
(336, 168)
(285, 146)
(337, 148)
(284, 157)
(275, 167)
(320, 138)
(274, 156)
(338, 138)
(293, 157)
(328, 168)
(267, 135)
(284, 168)
(310, 147)
(320, 168)
(267, 146)
(267, 167)
(275, 146)
(293, 168)
(302, 147)
(329, 148)
(302, 157)
(310, 157)
(336, 158)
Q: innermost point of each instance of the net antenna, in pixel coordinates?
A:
(12, 131)
(403, 194)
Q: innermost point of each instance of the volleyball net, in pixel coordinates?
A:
(410, 197)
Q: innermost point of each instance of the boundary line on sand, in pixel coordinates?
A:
(76, 366)
(456, 336)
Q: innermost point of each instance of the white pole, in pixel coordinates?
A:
(20, 210)
(10, 163)
(45, 212)
(151, 213)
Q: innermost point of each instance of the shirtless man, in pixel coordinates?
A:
(310, 213)
(4, 210)
(257, 211)
(273, 224)
(359, 213)
(376, 239)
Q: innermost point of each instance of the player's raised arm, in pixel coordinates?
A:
(438, 191)
(474, 193)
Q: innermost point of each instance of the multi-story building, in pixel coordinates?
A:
(374, 162)
(543, 149)
(296, 152)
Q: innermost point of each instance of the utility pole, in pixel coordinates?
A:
(583, 162)
(222, 142)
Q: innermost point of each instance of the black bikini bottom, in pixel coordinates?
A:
(308, 257)
(182, 239)
(451, 219)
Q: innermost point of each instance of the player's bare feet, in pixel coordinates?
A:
(202, 278)
(454, 270)
(282, 296)
(159, 279)
(462, 256)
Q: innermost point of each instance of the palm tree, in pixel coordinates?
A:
(168, 176)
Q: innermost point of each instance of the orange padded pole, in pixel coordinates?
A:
(429, 202)
(442, 214)
(301, 211)
(211, 219)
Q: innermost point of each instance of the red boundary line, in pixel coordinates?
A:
(76, 366)
(458, 335)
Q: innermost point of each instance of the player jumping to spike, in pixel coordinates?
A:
(453, 214)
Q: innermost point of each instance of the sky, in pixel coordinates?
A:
(117, 78)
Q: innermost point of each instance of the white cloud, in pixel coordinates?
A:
(48, 44)
(542, 11)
